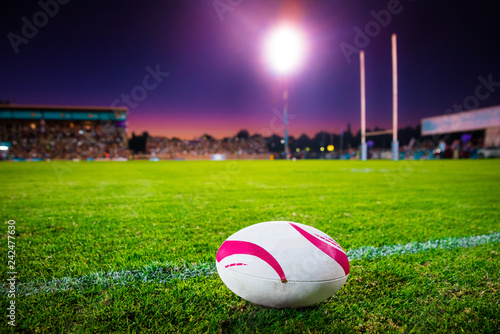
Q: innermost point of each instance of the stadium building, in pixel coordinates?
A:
(62, 132)
(487, 119)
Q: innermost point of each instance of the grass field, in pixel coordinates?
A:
(130, 246)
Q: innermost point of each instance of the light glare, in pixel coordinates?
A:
(284, 49)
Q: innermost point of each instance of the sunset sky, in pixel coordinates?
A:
(91, 53)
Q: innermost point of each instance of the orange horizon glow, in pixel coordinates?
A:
(189, 129)
(218, 133)
(181, 124)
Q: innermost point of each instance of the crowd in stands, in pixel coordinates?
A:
(442, 149)
(206, 145)
(55, 141)
(429, 149)
(96, 141)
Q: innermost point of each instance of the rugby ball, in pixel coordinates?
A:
(282, 264)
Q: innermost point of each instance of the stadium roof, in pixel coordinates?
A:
(465, 121)
(60, 108)
(32, 112)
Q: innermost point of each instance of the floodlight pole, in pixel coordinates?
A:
(395, 143)
(285, 118)
(363, 105)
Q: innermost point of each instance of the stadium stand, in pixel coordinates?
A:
(252, 146)
(55, 132)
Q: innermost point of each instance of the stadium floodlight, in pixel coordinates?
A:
(284, 51)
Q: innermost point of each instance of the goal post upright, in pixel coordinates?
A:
(363, 106)
(395, 143)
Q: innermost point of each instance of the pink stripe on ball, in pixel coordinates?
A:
(233, 247)
(329, 250)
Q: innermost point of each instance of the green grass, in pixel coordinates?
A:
(74, 219)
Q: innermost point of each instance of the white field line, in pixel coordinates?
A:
(166, 272)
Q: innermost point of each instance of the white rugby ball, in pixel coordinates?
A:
(282, 264)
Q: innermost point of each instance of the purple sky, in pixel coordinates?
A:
(91, 52)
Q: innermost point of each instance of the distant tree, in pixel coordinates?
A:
(303, 141)
(243, 134)
(274, 143)
(209, 137)
(348, 137)
(256, 135)
(138, 143)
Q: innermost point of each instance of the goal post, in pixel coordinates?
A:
(395, 142)
(394, 131)
(363, 105)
